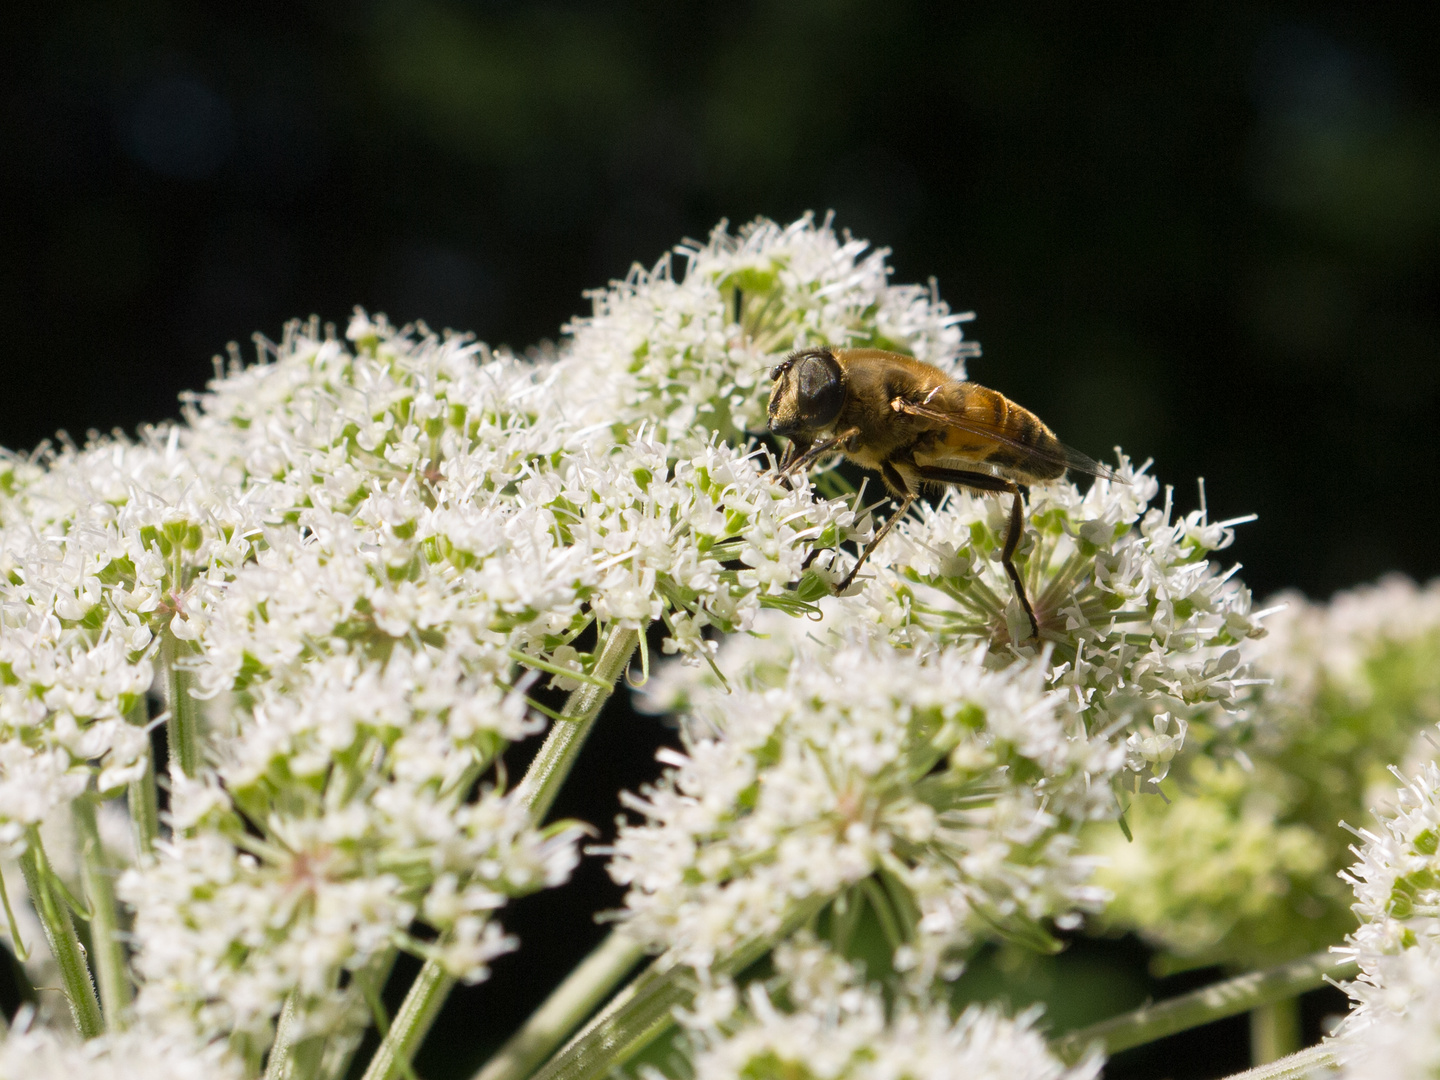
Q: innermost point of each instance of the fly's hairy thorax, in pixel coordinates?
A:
(873, 379)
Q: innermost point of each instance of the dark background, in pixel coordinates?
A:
(1205, 232)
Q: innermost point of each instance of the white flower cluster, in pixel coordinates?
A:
(1394, 1030)
(696, 352)
(224, 938)
(1397, 1037)
(1138, 620)
(778, 798)
(91, 547)
(819, 1021)
(32, 1052)
(351, 564)
(360, 557)
(957, 787)
(1140, 634)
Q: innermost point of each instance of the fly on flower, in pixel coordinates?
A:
(915, 425)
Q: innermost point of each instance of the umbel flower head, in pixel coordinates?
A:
(946, 793)
(390, 465)
(1134, 618)
(817, 1020)
(1241, 866)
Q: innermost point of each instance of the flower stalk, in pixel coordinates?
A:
(140, 795)
(547, 773)
(564, 1010)
(64, 943)
(1302, 1064)
(412, 1023)
(184, 714)
(537, 789)
(1253, 990)
(645, 1009)
(106, 948)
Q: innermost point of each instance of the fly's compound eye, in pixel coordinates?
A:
(820, 388)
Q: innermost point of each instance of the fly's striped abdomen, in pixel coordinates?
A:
(1030, 450)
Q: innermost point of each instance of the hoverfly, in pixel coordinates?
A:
(915, 425)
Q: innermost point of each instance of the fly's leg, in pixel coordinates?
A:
(809, 457)
(905, 502)
(998, 485)
(1012, 541)
(896, 483)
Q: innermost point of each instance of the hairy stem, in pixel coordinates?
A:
(107, 950)
(1295, 1067)
(144, 808)
(412, 1023)
(291, 1058)
(537, 789)
(542, 781)
(645, 1009)
(277, 1062)
(183, 724)
(564, 1010)
(64, 944)
(340, 1049)
(1228, 998)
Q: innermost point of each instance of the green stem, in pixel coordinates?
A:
(277, 1062)
(565, 1009)
(290, 1058)
(645, 1009)
(1228, 998)
(526, 660)
(412, 1023)
(340, 1049)
(64, 944)
(182, 726)
(106, 948)
(562, 746)
(144, 809)
(537, 789)
(1295, 1067)
(1275, 1031)
(17, 943)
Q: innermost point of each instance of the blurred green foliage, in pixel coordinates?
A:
(1241, 864)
